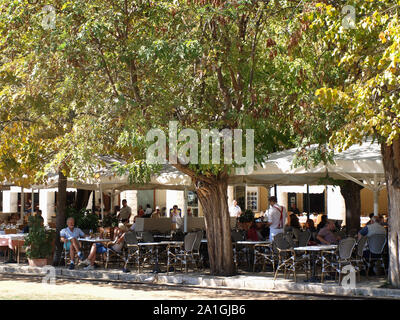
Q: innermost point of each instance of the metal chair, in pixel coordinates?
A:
(284, 252)
(303, 238)
(264, 254)
(196, 246)
(119, 255)
(176, 254)
(340, 258)
(376, 245)
(239, 251)
(132, 249)
(358, 260)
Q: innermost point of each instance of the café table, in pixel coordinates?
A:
(14, 242)
(313, 252)
(93, 240)
(155, 245)
(251, 246)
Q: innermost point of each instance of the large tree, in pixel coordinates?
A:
(115, 69)
(366, 45)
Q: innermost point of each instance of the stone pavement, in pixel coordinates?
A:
(251, 281)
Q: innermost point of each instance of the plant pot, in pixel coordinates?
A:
(37, 262)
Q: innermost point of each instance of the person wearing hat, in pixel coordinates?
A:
(156, 213)
(115, 245)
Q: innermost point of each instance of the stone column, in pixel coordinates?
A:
(47, 204)
(10, 201)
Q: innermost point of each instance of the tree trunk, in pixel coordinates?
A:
(214, 201)
(352, 198)
(60, 217)
(391, 164)
(82, 199)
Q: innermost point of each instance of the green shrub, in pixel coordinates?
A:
(110, 220)
(39, 241)
(84, 219)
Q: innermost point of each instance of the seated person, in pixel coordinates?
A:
(374, 228)
(326, 235)
(157, 213)
(38, 214)
(148, 211)
(310, 227)
(70, 237)
(115, 245)
(322, 223)
(252, 233)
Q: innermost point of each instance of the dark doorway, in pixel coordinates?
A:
(317, 202)
(240, 197)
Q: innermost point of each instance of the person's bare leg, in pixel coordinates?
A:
(92, 254)
(72, 253)
(76, 245)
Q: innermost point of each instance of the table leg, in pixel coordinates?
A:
(156, 268)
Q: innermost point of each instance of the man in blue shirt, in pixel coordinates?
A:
(70, 237)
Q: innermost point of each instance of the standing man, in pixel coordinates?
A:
(235, 210)
(125, 212)
(276, 217)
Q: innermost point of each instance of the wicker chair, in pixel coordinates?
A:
(376, 245)
(338, 260)
(132, 249)
(177, 254)
(358, 260)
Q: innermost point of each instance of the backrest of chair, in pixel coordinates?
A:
(304, 237)
(189, 241)
(130, 237)
(147, 237)
(296, 233)
(346, 247)
(236, 236)
(280, 241)
(361, 245)
(376, 243)
(197, 242)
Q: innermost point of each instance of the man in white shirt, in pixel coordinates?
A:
(276, 218)
(125, 212)
(235, 210)
(69, 236)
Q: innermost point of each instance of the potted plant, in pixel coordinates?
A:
(246, 219)
(39, 243)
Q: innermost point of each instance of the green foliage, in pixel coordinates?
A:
(39, 242)
(110, 220)
(368, 55)
(84, 219)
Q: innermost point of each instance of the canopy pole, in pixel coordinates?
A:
(112, 202)
(22, 210)
(33, 200)
(101, 202)
(276, 192)
(185, 198)
(308, 201)
(376, 202)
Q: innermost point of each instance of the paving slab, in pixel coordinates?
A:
(241, 282)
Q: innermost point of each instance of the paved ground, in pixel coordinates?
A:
(13, 287)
